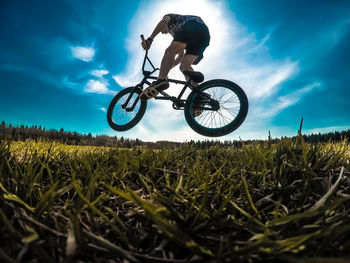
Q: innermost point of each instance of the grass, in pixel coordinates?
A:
(264, 202)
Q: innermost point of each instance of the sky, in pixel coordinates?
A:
(62, 61)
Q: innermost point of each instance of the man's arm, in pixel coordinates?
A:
(162, 24)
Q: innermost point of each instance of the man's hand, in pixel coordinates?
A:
(146, 44)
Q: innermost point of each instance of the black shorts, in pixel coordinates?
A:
(196, 36)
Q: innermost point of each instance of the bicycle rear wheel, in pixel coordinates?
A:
(122, 116)
(219, 108)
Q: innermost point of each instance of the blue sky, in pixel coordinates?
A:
(61, 62)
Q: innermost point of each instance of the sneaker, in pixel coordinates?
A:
(153, 90)
(196, 113)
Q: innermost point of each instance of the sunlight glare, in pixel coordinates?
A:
(211, 13)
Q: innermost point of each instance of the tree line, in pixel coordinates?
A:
(36, 133)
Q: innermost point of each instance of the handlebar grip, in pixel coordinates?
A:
(143, 41)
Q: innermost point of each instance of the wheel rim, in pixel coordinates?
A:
(230, 107)
(121, 116)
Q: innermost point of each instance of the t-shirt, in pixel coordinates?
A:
(177, 21)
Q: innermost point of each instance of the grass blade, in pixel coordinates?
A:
(324, 198)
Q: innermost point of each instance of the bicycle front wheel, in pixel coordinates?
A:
(218, 109)
(126, 109)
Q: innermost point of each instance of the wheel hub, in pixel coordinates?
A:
(214, 104)
(178, 106)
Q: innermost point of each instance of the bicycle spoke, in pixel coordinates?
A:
(213, 122)
(220, 118)
(122, 116)
(232, 109)
(205, 116)
(230, 99)
(208, 119)
(223, 93)
(217, 109)
(229, 107)
(226, 118)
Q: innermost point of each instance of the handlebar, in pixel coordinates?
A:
(146, 58)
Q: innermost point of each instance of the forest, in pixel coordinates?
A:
(22, 133)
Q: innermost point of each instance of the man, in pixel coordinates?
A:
(191, 34)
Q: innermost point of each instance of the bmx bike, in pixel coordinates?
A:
(213, 108)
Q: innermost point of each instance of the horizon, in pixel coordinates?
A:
(210, 139)
(62, 61)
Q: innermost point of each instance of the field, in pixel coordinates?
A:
(262, 202)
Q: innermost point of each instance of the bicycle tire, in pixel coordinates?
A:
(140, 109)
(240, 98)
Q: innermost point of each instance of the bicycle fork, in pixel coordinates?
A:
(125, 104)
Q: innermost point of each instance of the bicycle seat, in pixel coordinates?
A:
(196, 76)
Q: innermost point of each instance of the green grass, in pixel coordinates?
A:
(285, 202)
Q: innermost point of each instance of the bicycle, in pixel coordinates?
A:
(213, 108)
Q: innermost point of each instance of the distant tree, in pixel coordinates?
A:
(2, 129)
(22, 132)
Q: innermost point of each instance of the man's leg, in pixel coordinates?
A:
(167, 63)
(186, 63)
(169, 57)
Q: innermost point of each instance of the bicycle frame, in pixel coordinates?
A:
(178, 103)
(212, 108)
(163, 95)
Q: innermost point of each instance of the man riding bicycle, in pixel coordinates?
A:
(191, 34)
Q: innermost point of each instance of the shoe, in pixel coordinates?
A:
(153, 90)
(196, 113)
(199, 102)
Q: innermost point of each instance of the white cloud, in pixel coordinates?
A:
(262, 44)
(99, 73)
(84, 53)
(285, 101)
(96, 86)
(103, 109)
(68, 83)
(331, 36)
(233, 53)
(326, 129)
(124, 82)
